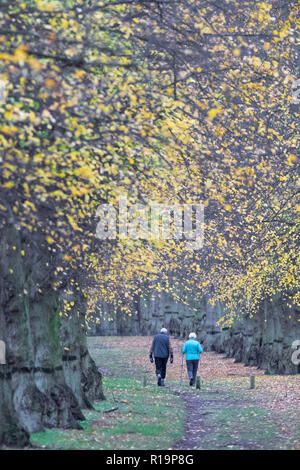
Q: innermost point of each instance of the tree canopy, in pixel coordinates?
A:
(173, 102)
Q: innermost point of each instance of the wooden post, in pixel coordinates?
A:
(144, 381)
(198, 383)
(252, 381)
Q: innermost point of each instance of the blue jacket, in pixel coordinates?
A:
(192, 349)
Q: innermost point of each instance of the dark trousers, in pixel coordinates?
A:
(161, 365)
(192, 367)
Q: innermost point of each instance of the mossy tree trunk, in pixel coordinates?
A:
(80, 370)
(38, 388)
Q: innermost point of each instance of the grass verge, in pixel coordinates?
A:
(133, 416)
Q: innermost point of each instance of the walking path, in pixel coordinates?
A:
(225, 413)
(197, 430)
(228, 414)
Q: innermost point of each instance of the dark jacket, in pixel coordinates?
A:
(161, 346)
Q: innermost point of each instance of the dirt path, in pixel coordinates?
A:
(234, 417)
(195, 424)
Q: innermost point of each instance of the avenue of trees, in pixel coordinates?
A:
(168, 101)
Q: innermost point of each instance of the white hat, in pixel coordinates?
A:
(192, 335)
(164, 330)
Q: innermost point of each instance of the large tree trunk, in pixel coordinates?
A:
(27, 400)
(38, 388)
(11, 431)
(63, 409)
(80, 371)
(264, 339)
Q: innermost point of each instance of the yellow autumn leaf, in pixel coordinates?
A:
(291, 159)
(50, 83)
(79, 73)
(8, 184)
(32, 116)
(9, 130)
(214, 112)
(84, 171)
(8, 115)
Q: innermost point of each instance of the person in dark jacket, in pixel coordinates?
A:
(161, 349)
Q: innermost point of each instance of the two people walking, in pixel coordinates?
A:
(161, 349)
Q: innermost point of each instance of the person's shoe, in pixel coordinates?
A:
(159, 380)
(191, 382)
(162, 382)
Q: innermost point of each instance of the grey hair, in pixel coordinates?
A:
(192, 335)
(164, 330)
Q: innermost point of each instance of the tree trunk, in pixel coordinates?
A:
(80, 371)
(11, 431)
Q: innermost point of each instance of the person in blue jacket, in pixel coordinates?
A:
(192, 349)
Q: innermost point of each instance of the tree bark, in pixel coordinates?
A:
(38, 386)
